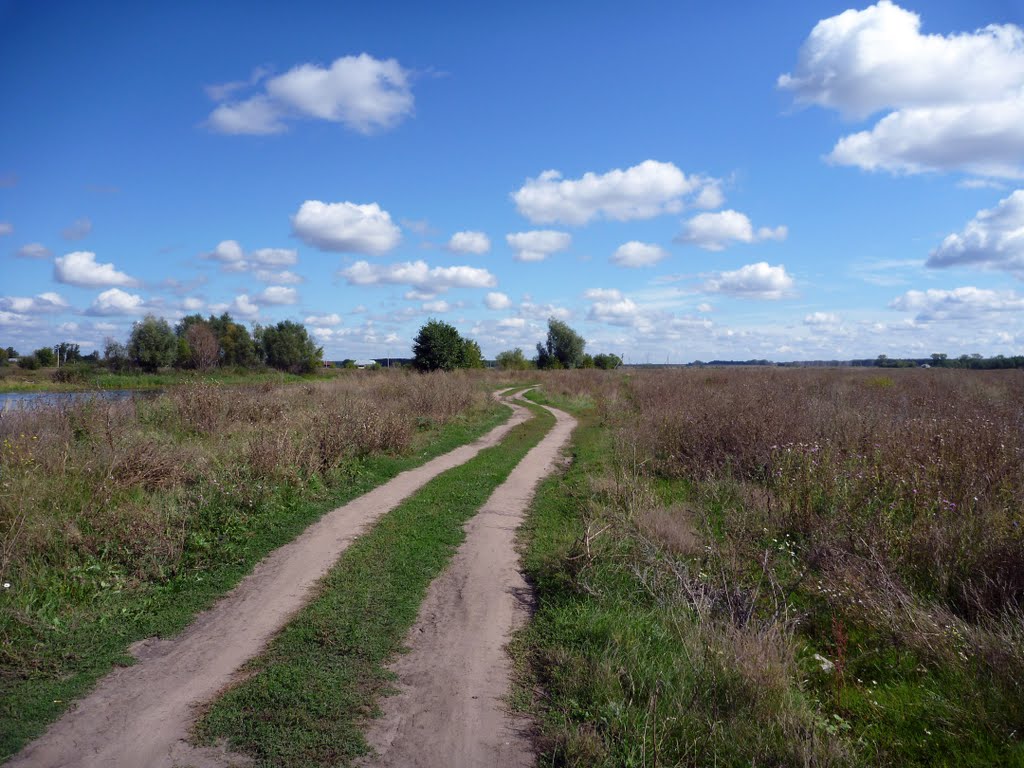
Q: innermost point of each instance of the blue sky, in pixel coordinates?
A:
(678, 181)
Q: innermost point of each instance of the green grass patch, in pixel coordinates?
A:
(52, 655)
(323, 675)
(13, 379)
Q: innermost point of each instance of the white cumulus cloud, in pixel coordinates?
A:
(227, 252)
(346, 227)
(993, 239)
(637, 254)
(643, 191)
(717, 231)
(964, 303)
(332, 319)
(955, 102)
(41, 303)
(277, 294)
(233, 258)
(117, 302)
(362, 93)
(6, 228)
(420, 275)
(257, 116)
(753, 281)
(241, 306)
(538, 244)
(469, 242)
(497, 300)
(621, 312)
(81, 268)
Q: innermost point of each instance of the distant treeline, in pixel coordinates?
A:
(936, 360)
(195, 342)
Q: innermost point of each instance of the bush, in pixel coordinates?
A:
(46, 357)
(29, 363)
(73, 373)
(512, 360)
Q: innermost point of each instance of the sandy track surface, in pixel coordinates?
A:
(140, 716)
(450, 708)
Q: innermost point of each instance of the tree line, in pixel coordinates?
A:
(198, 343)
(440, 346)
(194, 343)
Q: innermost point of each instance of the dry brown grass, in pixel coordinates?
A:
(90, 478)
(876, 518)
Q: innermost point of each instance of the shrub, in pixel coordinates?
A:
(74, 373)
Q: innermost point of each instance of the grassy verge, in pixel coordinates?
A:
(630, 675)
(49, 658)
(325, 672)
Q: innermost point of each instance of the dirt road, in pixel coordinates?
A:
(140, 716)
(450, 710)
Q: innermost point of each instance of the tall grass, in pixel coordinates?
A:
(846, 536)
(117, 519)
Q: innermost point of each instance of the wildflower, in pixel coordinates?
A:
(7, 585)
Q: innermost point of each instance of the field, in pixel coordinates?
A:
(739, 567)
(118, 521)
(780, 567)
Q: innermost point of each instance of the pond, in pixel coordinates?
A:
(10, 400)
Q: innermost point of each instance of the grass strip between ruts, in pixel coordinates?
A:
(324, 674)
(88, 652)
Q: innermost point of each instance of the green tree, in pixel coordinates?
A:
(437, 347)
(472, 357)
(287, 346)
(152, 343)
(45, 356)
(68, 353)
(3, 356)
(237, 347)
(607, 362)
(29, 362)
(563, 348)
(512, 360)
(115, 356)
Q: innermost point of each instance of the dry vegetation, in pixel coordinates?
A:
(836, 556)
(112, 511)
